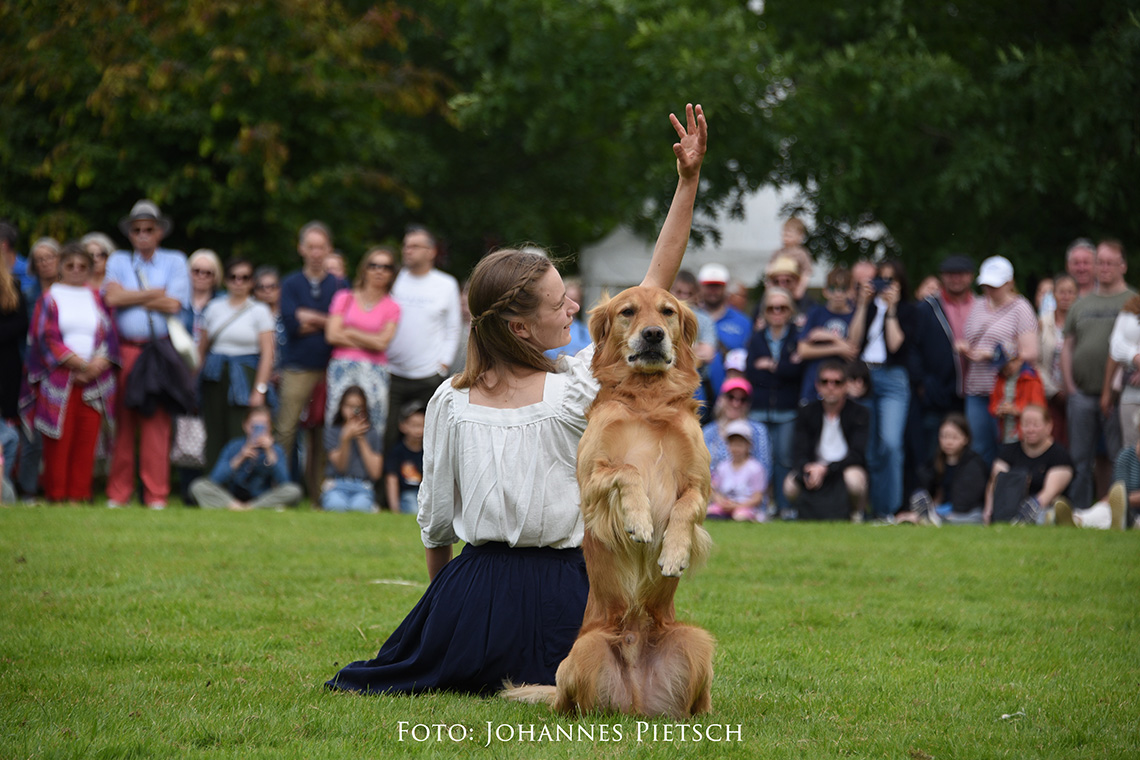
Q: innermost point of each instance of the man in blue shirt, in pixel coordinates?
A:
(144, 286)
(305, 299)
(251, 471)
(733, 329)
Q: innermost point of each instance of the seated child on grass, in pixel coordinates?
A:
(404, 465)
(354, 458)
(739, 483)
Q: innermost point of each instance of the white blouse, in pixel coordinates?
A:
(1123, 345)
(506, 475)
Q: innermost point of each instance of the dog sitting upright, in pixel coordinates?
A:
(643, 472)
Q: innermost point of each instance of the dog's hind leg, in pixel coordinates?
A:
(677, 673)
(622, 488)
(593, 678)
(685, 540)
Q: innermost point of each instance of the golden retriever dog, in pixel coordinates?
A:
(643, 472)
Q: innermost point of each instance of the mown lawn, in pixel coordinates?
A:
(129, 633)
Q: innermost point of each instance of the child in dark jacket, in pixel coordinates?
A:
(953, 483)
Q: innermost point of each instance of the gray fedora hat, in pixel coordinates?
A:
(145, 209)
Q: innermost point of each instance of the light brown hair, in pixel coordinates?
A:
(503, 287)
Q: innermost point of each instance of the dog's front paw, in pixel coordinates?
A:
(674, 556)
(639, 526)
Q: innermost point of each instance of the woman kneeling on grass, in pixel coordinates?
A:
(499, 473)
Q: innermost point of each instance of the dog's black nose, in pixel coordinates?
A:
(653, 334)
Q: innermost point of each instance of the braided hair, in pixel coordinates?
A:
(503, 288)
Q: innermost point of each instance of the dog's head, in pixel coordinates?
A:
(647, 330)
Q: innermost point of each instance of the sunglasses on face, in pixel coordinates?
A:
(240, 277)
(737, 399)
(143, 230)
(75, 267)
(202, 272)
(380, 265)
(267, 286)
(778, 308)
(825, 381)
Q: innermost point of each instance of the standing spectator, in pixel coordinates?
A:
(267, 289)
(1051, 341)
(1124, 348)
(45, 266)
(774, 370)
(1080, 263)
(251, 472)
(236, 345)
(784, 272)
(420, 354)
(404, 462)
(733, 328)
(142, 286)
(10, 259)
(937, 370)
(70, 384)
(830, 438)
(336, 266)
(685, 289)
(355, 459)
(732, 404)
(100, 247)
(824, 333)
(1086, 368)
(13, 338)
(360, 327)
(884, 319)
(1001, 318)
(305, 300)
(205, 283)
(930, 287)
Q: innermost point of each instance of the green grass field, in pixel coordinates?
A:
(181, 633)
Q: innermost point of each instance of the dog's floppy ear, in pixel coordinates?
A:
(600, 319)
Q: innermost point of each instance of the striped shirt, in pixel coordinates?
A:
(986, 328)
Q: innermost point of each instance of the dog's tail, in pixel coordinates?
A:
(532, 694)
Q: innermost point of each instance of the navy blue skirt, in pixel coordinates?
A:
(491, 614)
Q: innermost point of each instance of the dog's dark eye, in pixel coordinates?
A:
(668, 311)
(628, 311)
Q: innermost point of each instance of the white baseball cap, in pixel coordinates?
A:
(995, 272)
(713, 274)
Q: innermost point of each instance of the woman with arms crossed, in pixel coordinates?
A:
(499, 473)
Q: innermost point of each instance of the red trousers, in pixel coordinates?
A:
(69, 461)
(153, 434)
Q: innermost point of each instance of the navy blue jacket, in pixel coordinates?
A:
(779, 389)
(935, 372)
(305, 351)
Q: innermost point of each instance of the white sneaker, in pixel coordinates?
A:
(115, 504)
(156, 505)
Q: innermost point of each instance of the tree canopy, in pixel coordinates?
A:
(978, 127)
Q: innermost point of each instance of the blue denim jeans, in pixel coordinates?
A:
(890, 403)
(410, 502)
(781, 435)
(348, 495)
(983, 428)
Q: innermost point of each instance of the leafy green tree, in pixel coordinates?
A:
(243, 119)
(987, 128)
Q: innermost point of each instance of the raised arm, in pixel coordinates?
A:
(674, 237)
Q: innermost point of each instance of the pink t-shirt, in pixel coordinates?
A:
(740, 484)
(372, 320)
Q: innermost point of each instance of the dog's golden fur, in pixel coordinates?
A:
(643, 471)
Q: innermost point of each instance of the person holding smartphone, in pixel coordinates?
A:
(355, 461)
(251, 472)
